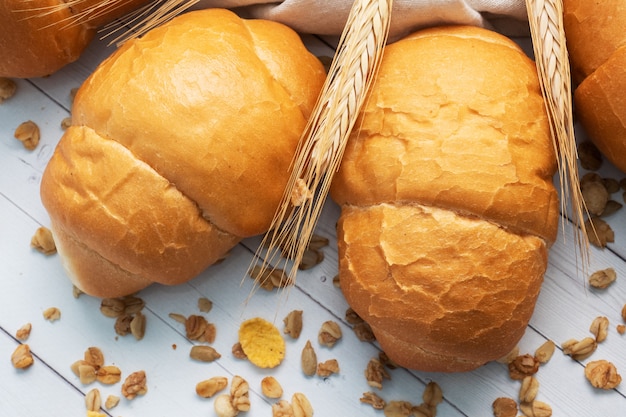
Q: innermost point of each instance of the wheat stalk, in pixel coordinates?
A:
(75, 19)
(545, 18)
(321, 146)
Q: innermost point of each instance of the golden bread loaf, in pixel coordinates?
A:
(447, 203)
(596, 42)
(39, 37)
(180, 146)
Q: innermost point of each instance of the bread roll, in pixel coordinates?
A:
(180, 146)
(39, 37)
(596, 41)
(447, 203)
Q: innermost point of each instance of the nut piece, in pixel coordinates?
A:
(109, 375)
(204, 304)
(178, 317)
(23, 332)
(211, 386)
(301, 405)
(599, 232)
(43, 241)
(239, 393)
(293, 324)
(7, 89)
(134, 385)
(432, 396)
(600, 328)
(603, 278)
(93, 400)
(195, 327)
(504, 407)
(28, 133)
(271, 388)
(224, 407)
(21, 358)
(545, 351)
(138, 326)
(111, 402)
(536, 409)
(375, 373)
(282, 409)
(373, 399)
(52, 314)
(579, 350)
(602, 374)
(523, 366)
(238, 352)
(204, 353)
(528, 390)
(398, 409)
(329, 333)
(364, 332)
(327, 368)
(308, 359)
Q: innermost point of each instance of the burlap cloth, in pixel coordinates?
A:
(328, 17)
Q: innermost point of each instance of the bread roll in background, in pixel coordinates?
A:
(596, 42)
(180, 146)
(39, 37)
(448, 208)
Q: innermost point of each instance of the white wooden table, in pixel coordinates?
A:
(32, 282)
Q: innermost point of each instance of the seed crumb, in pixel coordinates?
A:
(23, 332)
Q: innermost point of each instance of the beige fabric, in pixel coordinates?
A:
(328, 17)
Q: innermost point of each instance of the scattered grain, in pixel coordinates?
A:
(43, 241)
(52, 314)
(209, 387)
(204, 304)
(397, 409)
(329, 333)
(204, 353)
(602, 374)
(522, 366)
(271, 388)
(301, 405)
(375, 373)
(93, 400)
(8, 87)
(111, 402)
(293, 323)
(224, 407)
(23, 332)
(373, 399)
(282, 408)
(240, 393)
(138, 326)
(310, 259)
(28, 133)
(112, 307)
(308, 359)
(536, 409)
(504, 407)
(599, 232)
(135, 384)
(528, 389)
(22, 358)
(510, 357)
(603, 278)
(109, 375)
(327, 368)
(545, 351)
(579, 349)
(600, 328)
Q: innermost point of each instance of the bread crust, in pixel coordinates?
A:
(179, 147)
(447, 202)
(40, 37)
(596, 42)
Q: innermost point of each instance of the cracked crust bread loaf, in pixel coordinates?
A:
(447, 203)
(180, 146)
(596, 42)
(39, 37)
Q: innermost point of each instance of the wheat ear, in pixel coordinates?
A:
(548, 36)
(85, 16)
(322, 143)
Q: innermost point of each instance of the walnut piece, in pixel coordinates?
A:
(373, 399)
(602, 374)
(375, 373)
(327, 368)
(522, 366)
(134, 385)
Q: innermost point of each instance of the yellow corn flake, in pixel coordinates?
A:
(262, 342)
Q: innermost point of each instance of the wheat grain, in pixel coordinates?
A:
(545, 18)
(321, 146)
